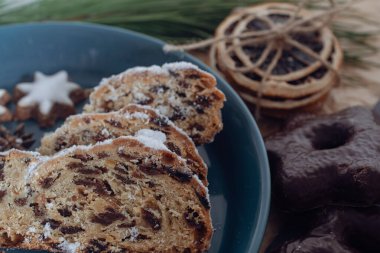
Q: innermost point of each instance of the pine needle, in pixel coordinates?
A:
(174, 20)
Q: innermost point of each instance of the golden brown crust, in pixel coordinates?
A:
(180, 91)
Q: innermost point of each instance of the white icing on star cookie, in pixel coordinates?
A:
(45, 91)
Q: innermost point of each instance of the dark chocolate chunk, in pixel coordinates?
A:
(97, 246)
(49, 181)
(177, 114)
(11, 241)
(100, 187)
(37, 210)
(75, 165)
(70, 230)
(2, 194)
(193, 219)
(150, 218)
(161, 121)
(181, 94)
(174, 148)
(124, 180)
(179, 176)
(2, 163)
(87, 120)
(108, 188)
(60, 143)
(54, 224)
(21, 201)
(83, 157)
(122, 168)
(65, 212)
(127, 224)
(204, 200)
(102, 155)
(151, 169)
(108, 217)
(184, 84)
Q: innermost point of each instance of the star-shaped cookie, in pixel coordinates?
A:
(47, 98)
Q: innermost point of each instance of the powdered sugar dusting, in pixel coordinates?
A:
(47, 230)
(159, 70)
(31, 230)
(202, 185)
(137, 115)
(133, 233)
(67, 247)
(49, 206)
(105, 132)
(153, 69)
(152, 139)
(32, 167)
(175, 66)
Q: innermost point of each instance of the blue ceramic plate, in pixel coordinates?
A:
(238, 169)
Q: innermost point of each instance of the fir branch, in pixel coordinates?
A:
(175, 20)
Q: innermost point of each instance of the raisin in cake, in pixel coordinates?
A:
(130, 194)
(83, 129)
(185, 94)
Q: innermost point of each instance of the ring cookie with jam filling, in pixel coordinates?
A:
(298, 79)
(129, 194)
(90, 128)
(185, 94)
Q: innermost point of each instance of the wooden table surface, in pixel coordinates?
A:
(366, 93)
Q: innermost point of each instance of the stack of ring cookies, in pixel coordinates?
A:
(295, 68)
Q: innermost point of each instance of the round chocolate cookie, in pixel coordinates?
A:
(332, 159)
(332, 230)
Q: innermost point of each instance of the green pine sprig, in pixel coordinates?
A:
(176, 21)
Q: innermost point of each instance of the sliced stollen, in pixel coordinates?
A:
(123, 195)
(90, 128)
(181, 91)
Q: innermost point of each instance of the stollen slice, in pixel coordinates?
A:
(181, 91)
(90, 128)
(130, 194)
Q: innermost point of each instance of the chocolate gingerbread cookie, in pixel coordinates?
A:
(332, 159)
(332, 230)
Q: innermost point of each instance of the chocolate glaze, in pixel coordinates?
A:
(322, 160)
(331, 230)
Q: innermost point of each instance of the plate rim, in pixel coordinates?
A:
(256, 238)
